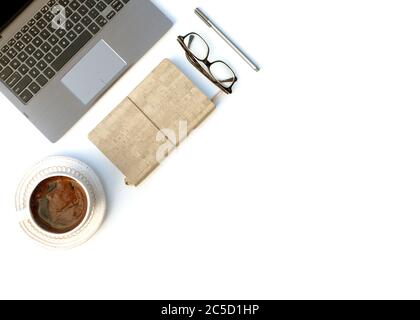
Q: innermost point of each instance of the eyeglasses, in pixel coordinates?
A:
(197, 51)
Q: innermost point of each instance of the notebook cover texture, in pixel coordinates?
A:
(151, 122)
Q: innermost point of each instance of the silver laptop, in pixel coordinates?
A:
(58, 57)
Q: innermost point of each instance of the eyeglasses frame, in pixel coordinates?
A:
(195, 61)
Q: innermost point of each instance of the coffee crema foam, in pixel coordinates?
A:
(59, 204)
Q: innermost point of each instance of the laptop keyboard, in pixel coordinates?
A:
(41, 48)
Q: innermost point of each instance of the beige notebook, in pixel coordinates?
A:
(146, 126)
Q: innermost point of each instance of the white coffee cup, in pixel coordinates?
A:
(88, 181)
(27, 214)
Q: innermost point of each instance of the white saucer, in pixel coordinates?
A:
(56, 166)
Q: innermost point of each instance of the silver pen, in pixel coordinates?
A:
(213, 26)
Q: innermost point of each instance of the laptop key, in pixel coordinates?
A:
(49, 16)
(23, 69)
(64, 43)
(18, 35)
(46, 47)
(25, 29)
(71, 35)
(79, 28)
(6, 73)
(49, 57)
(13, 80)
(69, 12)
(34, 31)
(22, 84)
(4, 61)
(60, 33)
(30, 49)
(75, 17)
(45, 34)
(12, 53)
(38, 16)
(38, 54)
(11, 42)
(51, 28)
(34, 87)
(41, 65)
(71, 50)
(101, 6)
(111, 15)
(90, 3)
(86, 21)
(45, 9)
(37, 41)
(30, 62)
(41, 24)
(94, 28)
(42, 81)
(83, 10)
(49, 73)
(22, 56)
(26, 38)
(26, 96)
(117, 5)
(19, 46)
(34, 73)
(69, 25)
(74, 5)
(101, 21)
(15, 64)
(93, 13)
(56, 50)
(53, 39)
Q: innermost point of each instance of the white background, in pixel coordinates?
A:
(304, 184)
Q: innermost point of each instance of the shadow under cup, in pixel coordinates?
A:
(59, 204)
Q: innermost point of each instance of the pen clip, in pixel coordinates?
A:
(203, 17)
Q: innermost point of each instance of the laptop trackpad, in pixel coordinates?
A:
(94, 72)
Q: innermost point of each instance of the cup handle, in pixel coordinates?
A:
(23, 215)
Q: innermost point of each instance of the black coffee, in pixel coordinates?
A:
(59, 204)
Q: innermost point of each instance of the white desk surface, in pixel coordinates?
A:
(304, 184)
